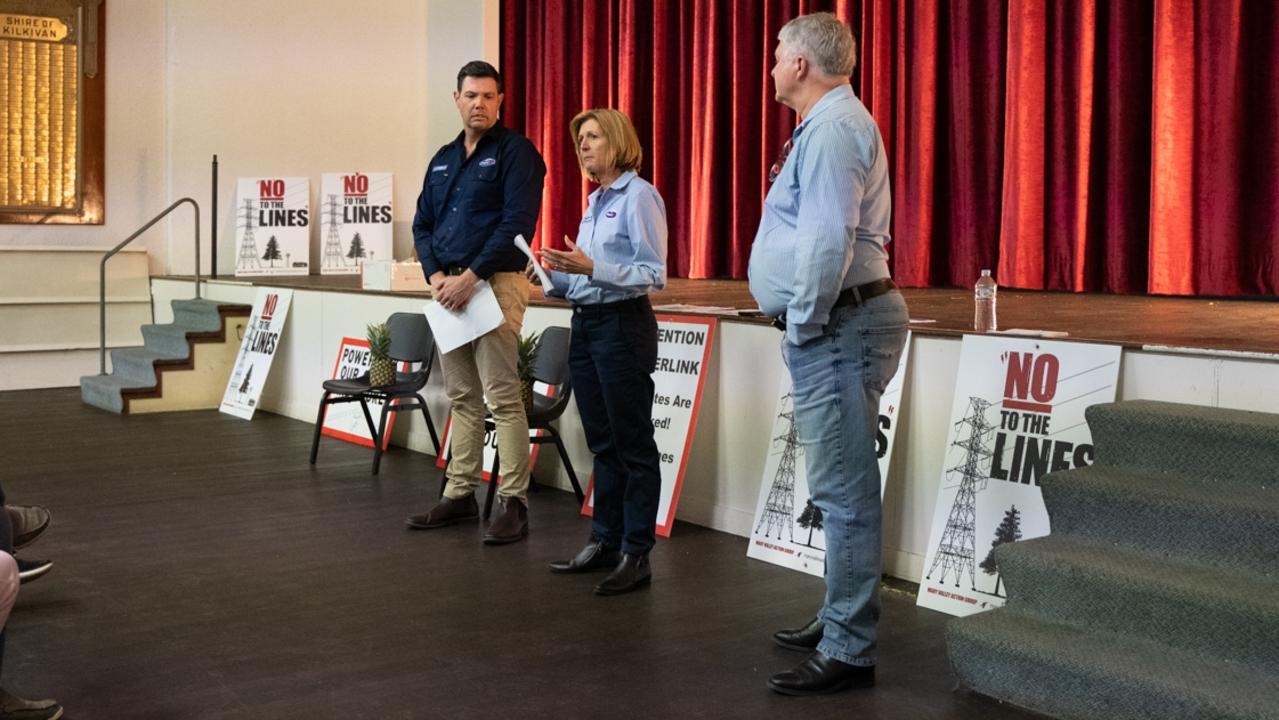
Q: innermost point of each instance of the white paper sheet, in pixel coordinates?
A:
(537, 266)
(454, 329)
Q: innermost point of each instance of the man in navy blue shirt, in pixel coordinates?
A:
(480, 191)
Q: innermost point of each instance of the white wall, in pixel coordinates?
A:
(135, 139)
(288, 87)
(301, 88)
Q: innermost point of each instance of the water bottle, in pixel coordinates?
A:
(984, 304)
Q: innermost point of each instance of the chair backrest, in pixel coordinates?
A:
(551, 367)
(411, 338)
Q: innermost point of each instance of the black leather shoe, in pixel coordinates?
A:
(595, 556)
(630, 574)
(449, 511)
(819, 675)
(805, 638)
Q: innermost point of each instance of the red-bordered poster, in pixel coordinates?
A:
(345, 421)
(683, 349)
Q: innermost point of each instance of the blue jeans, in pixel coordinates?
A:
(612, 356)
(837, 380)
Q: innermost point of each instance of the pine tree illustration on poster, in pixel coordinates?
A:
(810, 520)
(272, 250)
(1008, 531)
(357, 247)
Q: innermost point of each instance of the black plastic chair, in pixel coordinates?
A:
(412, 342)
(551, 367)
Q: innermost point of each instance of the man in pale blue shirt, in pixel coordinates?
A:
(820, 267)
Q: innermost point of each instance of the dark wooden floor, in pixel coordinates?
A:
(204, 570)
(1237, 325)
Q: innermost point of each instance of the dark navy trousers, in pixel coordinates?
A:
(612, 356)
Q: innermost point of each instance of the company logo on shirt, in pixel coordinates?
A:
(438, 168)
(610, 214)
(488, 162)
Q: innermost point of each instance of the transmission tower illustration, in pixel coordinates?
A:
(333, 256)
(248, 246)
(958, 541)
(779, 509)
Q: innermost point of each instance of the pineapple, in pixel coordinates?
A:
(524, 367)
(381, 367)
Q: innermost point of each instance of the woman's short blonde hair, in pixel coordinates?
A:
(624, 151)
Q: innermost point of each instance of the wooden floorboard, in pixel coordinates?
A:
(204, 570)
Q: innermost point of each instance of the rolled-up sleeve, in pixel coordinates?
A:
(646, 266)
(833, 179)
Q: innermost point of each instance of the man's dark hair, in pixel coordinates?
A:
(479, 69)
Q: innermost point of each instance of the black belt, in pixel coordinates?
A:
(855, 296)
(859, 294)
(620, 305)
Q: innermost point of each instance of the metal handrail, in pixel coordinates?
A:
(102, 275)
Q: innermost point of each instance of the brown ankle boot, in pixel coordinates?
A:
(510, 525)
(449, 511)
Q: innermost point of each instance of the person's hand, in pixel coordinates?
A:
(572, 261)
(456, 290)
(531, 274)
(436, 280)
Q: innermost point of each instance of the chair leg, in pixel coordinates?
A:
(488, 500)
(568, 466)
(430, 426)
(368, 419)
(319, 425)
(377, 437)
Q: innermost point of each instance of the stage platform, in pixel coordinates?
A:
(1153, 322)
(1220, 353)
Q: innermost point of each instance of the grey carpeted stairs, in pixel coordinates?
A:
(134, 368)
(1157, 593)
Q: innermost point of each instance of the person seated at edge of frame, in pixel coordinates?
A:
(620, 255)
(13, 707)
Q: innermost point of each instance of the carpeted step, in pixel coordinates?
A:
(103, 391)
(169, 339)
(197, 315)
(1201, 443)
(1076, 675)
(1234, 525)
(137, 365)
(1232, 616)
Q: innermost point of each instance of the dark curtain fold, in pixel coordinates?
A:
(1125, 146)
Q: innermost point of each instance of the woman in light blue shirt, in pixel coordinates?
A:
(619, 256)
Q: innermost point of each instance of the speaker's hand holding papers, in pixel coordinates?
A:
(454, 328)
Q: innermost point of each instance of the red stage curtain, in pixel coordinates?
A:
(1126, 146)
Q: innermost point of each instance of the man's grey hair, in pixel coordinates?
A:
(824, 40)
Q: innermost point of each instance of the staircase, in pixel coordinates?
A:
(1157, 593)
(184, 365)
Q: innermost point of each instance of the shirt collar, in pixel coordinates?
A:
(494, 133)
(619, 184)
(836, 94)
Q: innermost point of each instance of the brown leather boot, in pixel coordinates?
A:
(449, 511)
(510, 525)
